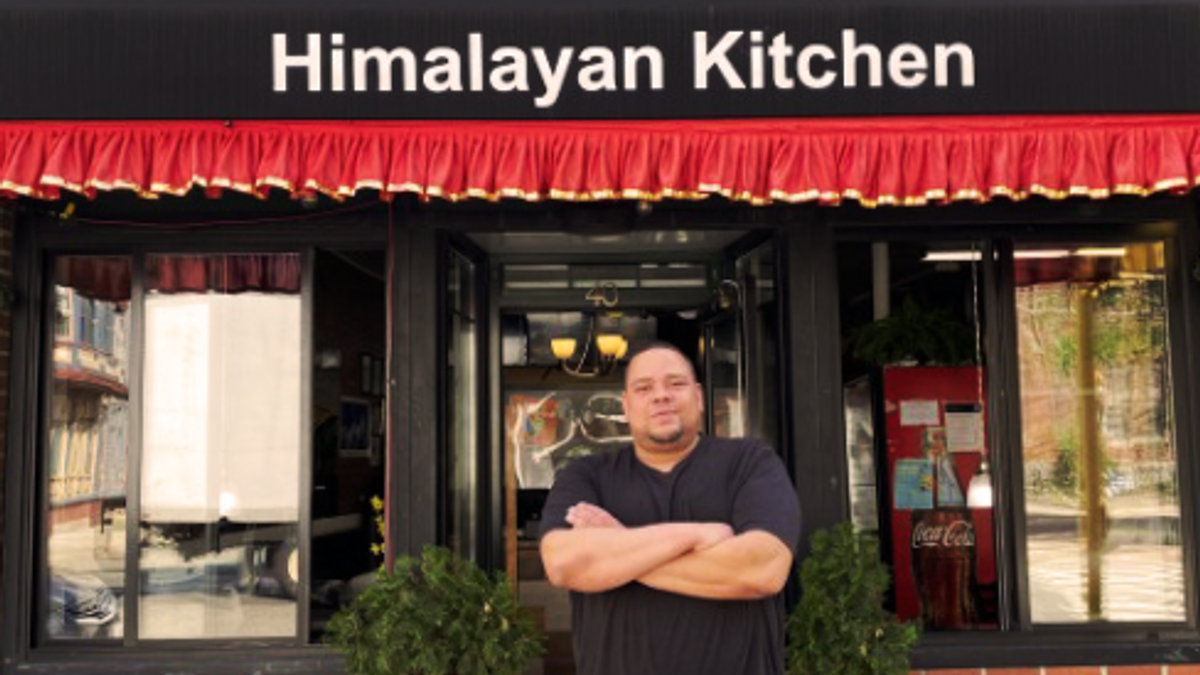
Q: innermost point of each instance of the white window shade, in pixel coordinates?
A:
(221, 426)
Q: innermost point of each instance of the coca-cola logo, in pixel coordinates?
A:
(954, 534)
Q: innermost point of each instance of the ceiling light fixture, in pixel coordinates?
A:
(609, 348)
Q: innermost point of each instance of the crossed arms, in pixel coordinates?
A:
(704, 560)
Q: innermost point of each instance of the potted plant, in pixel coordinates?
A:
(914, 334)
(841, 626)
(435, 615)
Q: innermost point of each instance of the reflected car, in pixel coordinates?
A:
(81, 600)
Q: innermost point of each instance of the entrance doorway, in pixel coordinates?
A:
(538, 329)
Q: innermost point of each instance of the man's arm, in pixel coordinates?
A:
(595, 559)
(757, 562)
(749, 566)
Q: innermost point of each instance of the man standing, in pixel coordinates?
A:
(675, 548)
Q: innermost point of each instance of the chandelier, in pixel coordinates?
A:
(601, 351)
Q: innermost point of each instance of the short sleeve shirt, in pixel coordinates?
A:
(638, 630)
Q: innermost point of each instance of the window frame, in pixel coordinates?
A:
(38, 240)
(1018, 642)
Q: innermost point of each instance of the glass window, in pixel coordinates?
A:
(916, 371)
(462, 361)
(221, 411)
(756, 274)
(1101, 505)
(1092, 469)
(174, 502)
(87, 448)
(349, 429)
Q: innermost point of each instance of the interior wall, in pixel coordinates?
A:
(348, 314)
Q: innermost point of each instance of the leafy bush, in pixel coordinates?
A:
(840, 626)
(435, 615)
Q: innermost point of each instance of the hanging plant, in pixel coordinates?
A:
(914, 334)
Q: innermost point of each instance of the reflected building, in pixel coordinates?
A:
(86, 463)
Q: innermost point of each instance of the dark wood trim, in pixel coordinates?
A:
(601, 258)
(813, 372)
(968, 220)
(400, 450)
(424, 479)
(439, 387)
(133, 485)
(513, 216)
(1004, 432)
(39, 423)
(304, 526)
(1014, 650)
(1183, 250)
(193, 659)
(572, 299)
(18, 522)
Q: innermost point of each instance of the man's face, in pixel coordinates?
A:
(663, 401)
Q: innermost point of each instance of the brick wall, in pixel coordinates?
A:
(1151, 669)
(6, 235)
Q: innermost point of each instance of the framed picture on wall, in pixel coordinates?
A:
(366, 373)
(376, 454)
(547, 429)
(377, 376)
(354, 427)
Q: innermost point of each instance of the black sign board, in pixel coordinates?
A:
(154, 59)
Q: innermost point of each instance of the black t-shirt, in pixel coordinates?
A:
(638, 630)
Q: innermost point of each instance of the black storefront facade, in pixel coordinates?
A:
(271, 264)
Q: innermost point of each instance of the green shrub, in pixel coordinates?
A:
(436, 615)
(840, 626)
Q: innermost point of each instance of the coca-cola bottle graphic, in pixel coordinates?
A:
(943, 549)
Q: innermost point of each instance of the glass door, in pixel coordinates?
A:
(463, 344)
(567, 312)
(741, 345)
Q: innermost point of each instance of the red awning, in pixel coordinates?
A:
(874, 161)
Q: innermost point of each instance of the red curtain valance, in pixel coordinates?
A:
(241, 273)
(874, 161)
(109, 278)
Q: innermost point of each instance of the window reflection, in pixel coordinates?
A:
(85, 458)
(1101, 486)
(349, 413)
(915, 405)
(462, 365)
(220, 474)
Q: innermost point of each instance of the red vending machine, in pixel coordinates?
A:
(942, 549)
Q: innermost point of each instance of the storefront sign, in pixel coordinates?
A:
(730, 62)
(375, 60)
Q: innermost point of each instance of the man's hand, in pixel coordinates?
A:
(584, 515)
(752, 565)
(713, 534)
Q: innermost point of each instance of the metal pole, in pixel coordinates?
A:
(880, 276)
(1089, 453)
